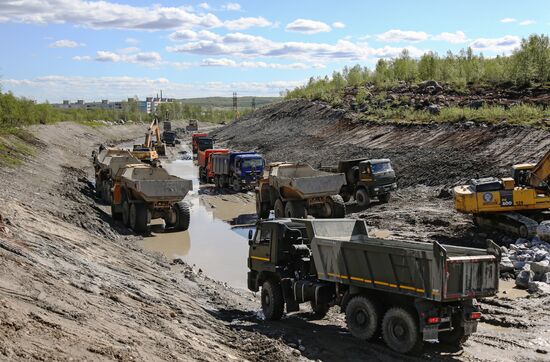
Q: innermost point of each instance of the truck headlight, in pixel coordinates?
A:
(376, 189)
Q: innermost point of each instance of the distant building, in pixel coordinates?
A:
(149, 105)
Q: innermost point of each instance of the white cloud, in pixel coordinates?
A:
(204, 6)
(457, 37)
(128, 50)
(184, 34)
(307, 26)
(106, 56)
(504, 44)
(245, 23)
(232, 7)
(65, 43)
(527, 22)
(225, 62)
(80, 58)
(110, 15)
(132, 41)
(392, 52)
(55, 88)
(508, 20)
(396, 35)
(338, 25)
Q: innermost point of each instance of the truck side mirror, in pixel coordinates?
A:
(250, 234)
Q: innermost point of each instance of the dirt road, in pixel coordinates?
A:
(75, 285)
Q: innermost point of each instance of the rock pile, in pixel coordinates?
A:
(529, 262)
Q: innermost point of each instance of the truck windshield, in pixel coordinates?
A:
(253, 163)
(170, 136)
(381, 167)
(205, 144)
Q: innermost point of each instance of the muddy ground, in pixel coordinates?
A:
(75, 285)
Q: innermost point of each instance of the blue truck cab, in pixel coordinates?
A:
(237, 169)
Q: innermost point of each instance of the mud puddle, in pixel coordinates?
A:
(211, 244)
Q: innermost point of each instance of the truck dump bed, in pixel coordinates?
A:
(155, 184)
(115, 163)
(303, 181)
(343, 252)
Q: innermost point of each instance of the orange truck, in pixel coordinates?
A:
(204, 161)
(201, 142)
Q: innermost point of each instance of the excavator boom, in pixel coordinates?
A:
(541, 171)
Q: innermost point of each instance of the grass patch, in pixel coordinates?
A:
(520, 115)
(16, 144)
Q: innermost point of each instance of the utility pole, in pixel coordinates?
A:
(253, 104)
(235, 106)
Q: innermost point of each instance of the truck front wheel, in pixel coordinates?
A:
(384, 198)
(400, 331)
(272, 300)
(125, 213)
(338, 206)
(262, 208)
(279, 209)
(319, 310)
(362, 318)
(236, 185)
(362, 198)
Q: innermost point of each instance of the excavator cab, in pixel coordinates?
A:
(520, 173)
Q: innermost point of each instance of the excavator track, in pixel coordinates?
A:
(511, 222)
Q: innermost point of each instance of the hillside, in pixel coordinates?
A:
(227, 102)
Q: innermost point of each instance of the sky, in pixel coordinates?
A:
(54, 50)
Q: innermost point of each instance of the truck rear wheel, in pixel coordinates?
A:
(183, 215)
(279, 208)
(99, 187)
(338, 206)
(319, 310)
(362, 198)
(115, 215)
(125, 213)
(400, 331)
(295, 209)
(262, 208)
(272, 300)
(384, 198)
(236, 185)
(456, 337)
(138, 217)
(107, 192)
(362, 318)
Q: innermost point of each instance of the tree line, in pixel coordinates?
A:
(528, 64)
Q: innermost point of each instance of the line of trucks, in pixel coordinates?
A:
(137, 188)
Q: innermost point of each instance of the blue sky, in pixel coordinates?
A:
(74, 49)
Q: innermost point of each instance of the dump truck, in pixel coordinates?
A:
(408, 292)
(240, 170)
(142, 192)
(366, 179)
(513, 204)
(201, 142)
(170, 138)
(193, 125)
(107, 162)
(204, 161)
(298, 190)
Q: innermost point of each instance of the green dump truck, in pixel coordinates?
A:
(407, 292)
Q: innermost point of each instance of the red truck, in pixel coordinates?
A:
(204, 161)
(201, 142)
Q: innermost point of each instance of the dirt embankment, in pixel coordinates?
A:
(76, 286)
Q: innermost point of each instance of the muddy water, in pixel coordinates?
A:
(210, 243)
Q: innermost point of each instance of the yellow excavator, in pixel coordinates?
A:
(511, 204)
(151, 149)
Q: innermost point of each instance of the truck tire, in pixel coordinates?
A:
(125, 213)
(115, 215)
(295, 209)
(319, 310)
(273, 303)
(400, 331)
(362, 318)
(384, 198)
(202, 174)
(107, 192)
(183, 215)
(362, 197)
(99, 187)
(236, 185)
(279, 209)
(338, 206)
(262, 208)
(138, 217)
(456, 337)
